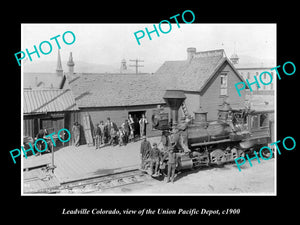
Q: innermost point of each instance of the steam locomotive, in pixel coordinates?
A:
(202, 143)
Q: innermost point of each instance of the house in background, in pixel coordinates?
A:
(259, 97)
(55, 80)
(207, 79)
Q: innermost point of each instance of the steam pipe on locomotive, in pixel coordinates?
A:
(202, 143)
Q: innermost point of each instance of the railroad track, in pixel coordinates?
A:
(98, 184)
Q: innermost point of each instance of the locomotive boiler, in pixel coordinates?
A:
(198, 142)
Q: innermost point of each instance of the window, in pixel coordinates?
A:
(259, 121)
(223, 85)
(254, 122)
(264, 120)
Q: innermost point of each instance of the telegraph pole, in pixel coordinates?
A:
(136, 64)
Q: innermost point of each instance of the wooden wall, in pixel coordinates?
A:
(211, 99)
(119, 114)
(51, 121)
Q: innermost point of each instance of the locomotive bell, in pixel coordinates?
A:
(224, 111)
(174, 99)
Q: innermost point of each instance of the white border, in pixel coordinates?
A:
(151, 194)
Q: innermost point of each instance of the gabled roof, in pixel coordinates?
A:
(195, 74)
(50, 100)
(218, 67)
(109, 90)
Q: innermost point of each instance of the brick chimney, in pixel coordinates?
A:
(190, 53)
(71, 64)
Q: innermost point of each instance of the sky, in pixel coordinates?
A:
(108, 44)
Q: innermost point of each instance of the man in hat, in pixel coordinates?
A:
(144, 151)
(110, 129)
(172, 163)
(155, 156)
(76, 133)
(102, 129)
(143, 124)
(132, 128)
(97, 136)
(126, 129)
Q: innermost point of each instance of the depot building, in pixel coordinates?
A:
(207, 79)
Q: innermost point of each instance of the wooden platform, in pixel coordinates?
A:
(73, 163)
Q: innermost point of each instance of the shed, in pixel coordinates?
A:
(51, 109)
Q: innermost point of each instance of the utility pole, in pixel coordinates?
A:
(136, 64)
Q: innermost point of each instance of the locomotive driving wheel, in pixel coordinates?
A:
(217, 157)
(240, 153)
(265, 153)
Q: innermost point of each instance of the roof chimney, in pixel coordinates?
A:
(190, 53)
(71, 64)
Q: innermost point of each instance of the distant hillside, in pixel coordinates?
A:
(50, 67)
(246, 61)
(84, 67)
(149, 67)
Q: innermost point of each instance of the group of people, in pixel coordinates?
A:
(157, 156)
(109, 133)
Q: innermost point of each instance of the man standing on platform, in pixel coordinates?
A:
(76, 134)
(97, 136)
(110, 128)
(143, 123)
(126, 129)
(144, 151)
(101, 126)
(132, 128)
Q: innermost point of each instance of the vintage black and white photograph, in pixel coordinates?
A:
(148, 109)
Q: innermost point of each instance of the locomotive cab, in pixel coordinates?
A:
(260, 127)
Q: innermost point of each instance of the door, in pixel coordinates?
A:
(86, 123)
(136, 116)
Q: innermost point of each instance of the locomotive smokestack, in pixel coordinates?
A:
(174, 99)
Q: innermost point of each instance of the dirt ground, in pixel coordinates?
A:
(226, 180)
